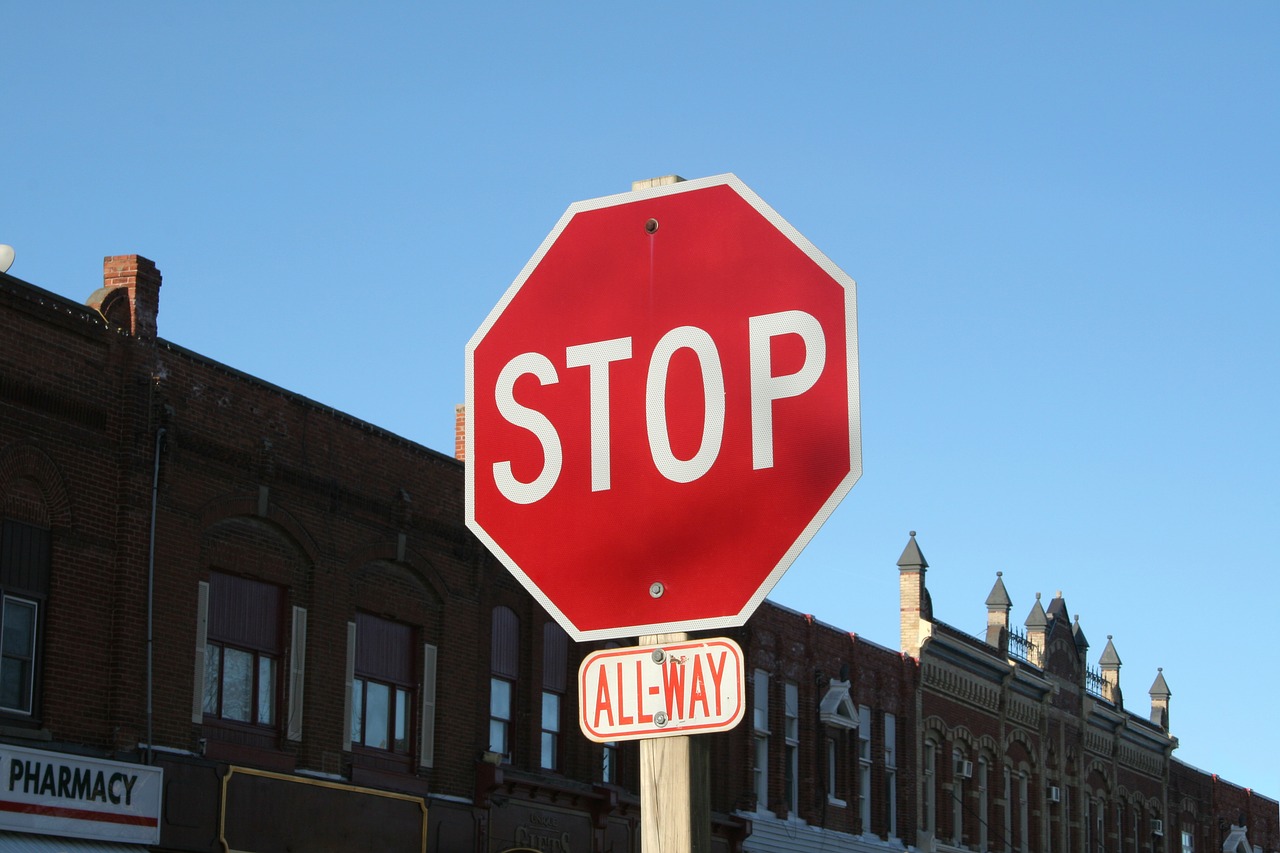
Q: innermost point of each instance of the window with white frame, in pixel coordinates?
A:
(791, 734)
(891, 775)
(958, 765)
(1188, 842)
(760, 737)
(864, 768)
(833, 776)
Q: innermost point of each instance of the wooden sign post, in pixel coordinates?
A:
(675, 786)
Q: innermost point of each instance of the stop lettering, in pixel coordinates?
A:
(766, 387)
(662, 410)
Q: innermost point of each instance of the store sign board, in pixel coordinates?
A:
(52, 793)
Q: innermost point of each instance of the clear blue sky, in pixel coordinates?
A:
(1062, 219)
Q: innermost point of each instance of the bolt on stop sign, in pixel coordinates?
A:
(662, 410)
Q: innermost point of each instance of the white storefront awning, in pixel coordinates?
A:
(24, 842)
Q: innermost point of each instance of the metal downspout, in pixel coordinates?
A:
(151, 583)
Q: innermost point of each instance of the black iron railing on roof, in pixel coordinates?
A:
(1094, 682)
(1019, 646)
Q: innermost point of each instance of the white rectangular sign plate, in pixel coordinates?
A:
(81, 797)
(683, 688)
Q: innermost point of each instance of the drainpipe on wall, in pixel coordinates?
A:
(151, 583)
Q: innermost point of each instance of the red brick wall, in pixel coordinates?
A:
(795, 648)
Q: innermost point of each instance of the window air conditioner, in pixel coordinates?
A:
(1157, 826)
(1055, 794)
(964, 769)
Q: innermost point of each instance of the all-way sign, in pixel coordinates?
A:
(678, 688)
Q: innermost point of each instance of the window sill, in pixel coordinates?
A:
(837, 802)
(21, 732)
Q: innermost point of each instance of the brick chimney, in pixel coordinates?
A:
(130, 294)
(460, 432)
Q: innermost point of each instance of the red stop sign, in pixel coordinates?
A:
(662, 410)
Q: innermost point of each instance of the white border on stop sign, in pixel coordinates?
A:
(852, 378)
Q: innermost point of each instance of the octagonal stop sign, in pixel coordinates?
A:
(662, 410)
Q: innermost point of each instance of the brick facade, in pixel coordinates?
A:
(161, 479)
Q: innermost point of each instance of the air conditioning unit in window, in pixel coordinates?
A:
(1055, 794)
(1157, 826)
(964, 769)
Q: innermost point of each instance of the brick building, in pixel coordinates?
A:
(1021, 744)
(275, 604)
(236, 619)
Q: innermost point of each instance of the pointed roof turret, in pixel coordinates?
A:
(998, 605)
(1109, 657)
(1109, 663)
(1078, 633)
(1160, 701)
(1037, 619)
(1159, 687)
(999, 597)
(916, 611)
(912, 559)
(1037, 634)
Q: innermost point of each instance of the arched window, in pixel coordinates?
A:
(791, 737)
(504, 669)
(1007, 816)
(891, 775)
(383, 685)
(983, 803)
(1024, 812)
(555, 660)
(760, 737)
(930, 786)
(962, 770)
(864, 768)
(243, 648)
